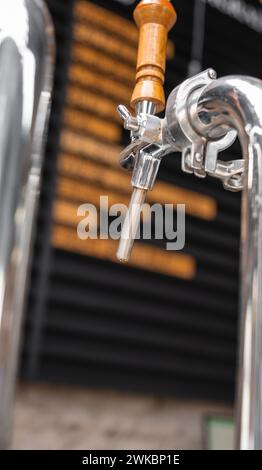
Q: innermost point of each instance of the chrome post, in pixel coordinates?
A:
(26, 75)
(203, 117)
(235, 103)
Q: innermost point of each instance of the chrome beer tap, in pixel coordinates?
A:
(203, 117)
(154, 19)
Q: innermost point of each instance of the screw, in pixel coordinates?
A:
(198, 157)
(123, 112)
(212, 74)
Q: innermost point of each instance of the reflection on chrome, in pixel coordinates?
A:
(26, 74)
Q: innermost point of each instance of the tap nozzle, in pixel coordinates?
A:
(131, 224)
(144, 175)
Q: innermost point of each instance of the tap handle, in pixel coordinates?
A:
(154, 18)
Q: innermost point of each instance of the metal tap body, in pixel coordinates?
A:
(204, 115)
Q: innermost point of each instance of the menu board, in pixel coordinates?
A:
(101, 76)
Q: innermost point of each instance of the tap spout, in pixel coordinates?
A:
(131, 224)
(145, 171)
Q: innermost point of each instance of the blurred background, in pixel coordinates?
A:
(141, 355)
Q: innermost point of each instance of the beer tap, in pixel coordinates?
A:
(181, 130)
(154, 19)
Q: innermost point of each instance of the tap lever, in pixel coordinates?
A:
(154, 19)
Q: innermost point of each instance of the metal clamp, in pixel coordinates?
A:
(230, 173)
(194, 150)
(199, 155)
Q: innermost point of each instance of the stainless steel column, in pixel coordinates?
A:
(26, 71)
(237, 101)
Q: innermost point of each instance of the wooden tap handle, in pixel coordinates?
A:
(154, 18)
